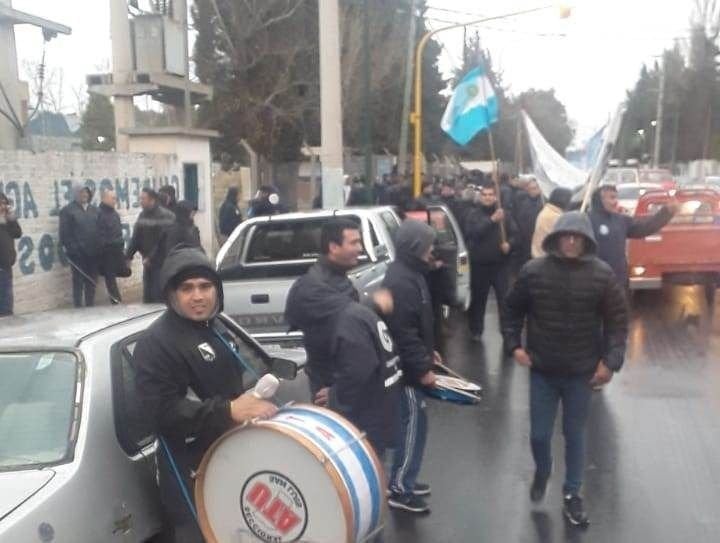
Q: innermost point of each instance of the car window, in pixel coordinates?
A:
(440, 221)
(282, 241)
(391, 223)
(132, 425)
(628, 177)
(629, 193)
(37, 406)
(232, 256)
(694, 211)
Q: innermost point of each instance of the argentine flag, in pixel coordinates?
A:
(473, 107)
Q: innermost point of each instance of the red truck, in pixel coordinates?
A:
(685, 251)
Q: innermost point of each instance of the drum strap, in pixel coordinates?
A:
(236, 355)
(178, 477)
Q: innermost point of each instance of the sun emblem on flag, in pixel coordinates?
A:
(472, 91)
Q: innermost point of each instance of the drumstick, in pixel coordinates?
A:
(450, 371)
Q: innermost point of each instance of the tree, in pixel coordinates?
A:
(97, 125)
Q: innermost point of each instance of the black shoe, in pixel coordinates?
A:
(421, 489)
(411, 504)
(574, 511)
(539, 485)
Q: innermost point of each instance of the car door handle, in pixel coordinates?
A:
(260, 299)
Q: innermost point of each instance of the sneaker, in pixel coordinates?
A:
(411, 504)
(421, 489)
(574, 511)
(539, 485)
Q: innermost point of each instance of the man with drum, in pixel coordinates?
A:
(318, 297)
(190, 380)
(411, 326)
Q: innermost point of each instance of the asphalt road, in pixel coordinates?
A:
(653, 466)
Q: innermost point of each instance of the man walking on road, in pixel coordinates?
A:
(527, 208)
(411, 326)
(149, 228)
(9, 231)
(79, 238)
(190, 381)
(576, 333)
(612, 228)
(489, 255)
(317, 298)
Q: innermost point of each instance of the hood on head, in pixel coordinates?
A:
(188, 262)
(596, 201)
(413, 239)
(560, 197)
(77, 188)
(183, 212)
(572, 222)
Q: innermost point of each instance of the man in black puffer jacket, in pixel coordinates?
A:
(79, 238)
(576, 333)
(411, 326)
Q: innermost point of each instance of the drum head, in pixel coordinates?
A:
(461, 384)
(261, 483)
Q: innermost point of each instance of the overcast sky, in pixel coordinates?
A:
(591, 59)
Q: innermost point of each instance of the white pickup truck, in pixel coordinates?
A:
(264, 256)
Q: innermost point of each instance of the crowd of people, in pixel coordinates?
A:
(558, 277)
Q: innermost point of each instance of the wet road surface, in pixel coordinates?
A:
(653, 463)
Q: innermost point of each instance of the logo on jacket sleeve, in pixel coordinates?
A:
(385, 338)
(207, 352)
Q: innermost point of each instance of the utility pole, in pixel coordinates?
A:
(180, 14)
(367, 117)
(407, 93)
(659, 114)
(122, 68)
(331, 153)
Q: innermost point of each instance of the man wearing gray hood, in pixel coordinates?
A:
(411, 326)
(576, 320)
(79, 238)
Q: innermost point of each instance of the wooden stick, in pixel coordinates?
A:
(496, 181)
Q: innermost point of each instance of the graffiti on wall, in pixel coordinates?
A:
(46, 252)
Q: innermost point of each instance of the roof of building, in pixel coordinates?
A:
(47, 123)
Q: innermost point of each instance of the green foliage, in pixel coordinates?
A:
(97, 124)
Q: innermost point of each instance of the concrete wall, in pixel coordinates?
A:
(188, 150)
(40, 186)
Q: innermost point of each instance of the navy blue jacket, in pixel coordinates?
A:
(366, 387)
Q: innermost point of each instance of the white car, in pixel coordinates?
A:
(629, 194)
(76, 448)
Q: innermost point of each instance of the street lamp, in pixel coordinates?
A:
(416, 115)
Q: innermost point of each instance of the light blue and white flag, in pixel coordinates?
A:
(473, 107)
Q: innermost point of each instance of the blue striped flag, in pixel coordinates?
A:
(473, 107)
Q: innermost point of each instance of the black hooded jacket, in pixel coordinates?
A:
(366, 375)
(9, 231)
(575, 309)
(411, 322)
(229, 215)
(313, 304)
(78, 228)
(612, 231)
(186, 373)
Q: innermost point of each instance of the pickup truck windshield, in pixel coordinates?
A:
(37, 395)
(283, 241)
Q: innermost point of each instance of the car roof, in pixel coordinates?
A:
(320, 213)
(66, 328)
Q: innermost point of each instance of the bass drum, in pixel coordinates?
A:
(306, 474)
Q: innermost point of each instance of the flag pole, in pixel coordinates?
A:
(496, 181)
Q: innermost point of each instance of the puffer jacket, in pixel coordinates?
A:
(575, 308)
(78, 229)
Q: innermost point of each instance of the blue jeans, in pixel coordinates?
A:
(409, 452)
(6, 292)
(546, 391)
